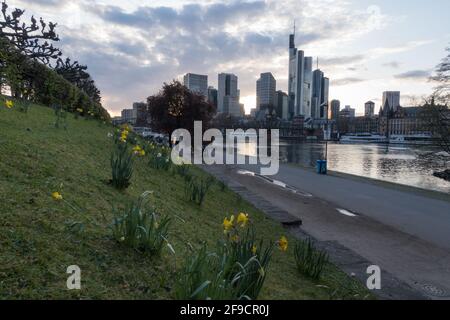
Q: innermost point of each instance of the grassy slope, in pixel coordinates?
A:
(36, 246)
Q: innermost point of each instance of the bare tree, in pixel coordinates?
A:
(436, 108)
(32, 39)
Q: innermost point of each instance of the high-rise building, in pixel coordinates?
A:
(319, 97)
(334, 109)
(128, 116)
(369, 109)
(228, 95)
(299, 80)
(212, 96)
(282, 105)
(197, 83)
(393, 98)
(347, 112)
(265, 90)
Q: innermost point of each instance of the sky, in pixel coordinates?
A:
(365, 47)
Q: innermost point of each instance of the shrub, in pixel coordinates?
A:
(235, 271)
(310, 261)
(121, 165)
(196, 189)
(140, 228)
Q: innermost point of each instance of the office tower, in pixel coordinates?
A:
(334, 109)
(282, 105)
(347, 112)
(265, 90)
(212, 96)
(228, 95)
(299, 80)
(319, 97)
(369, 109)
(197, 83)
(393, 97)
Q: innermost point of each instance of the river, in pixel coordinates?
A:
(407, 165)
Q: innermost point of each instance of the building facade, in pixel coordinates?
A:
(369, 109)
(393, 98)
(212, 96)
(266, 86)
(335, 108)
(347, 112)
(228, 95)
(299, 81)
(197, 83)
(319, 97)
(282, 105)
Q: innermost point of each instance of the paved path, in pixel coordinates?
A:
(406, 234)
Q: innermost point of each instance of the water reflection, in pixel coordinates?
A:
(400, 164)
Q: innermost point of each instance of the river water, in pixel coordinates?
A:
(407, 165)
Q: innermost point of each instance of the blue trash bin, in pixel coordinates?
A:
(321, 166)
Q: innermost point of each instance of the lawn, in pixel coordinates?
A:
(41, 237)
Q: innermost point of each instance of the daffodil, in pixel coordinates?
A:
(142, 153)
(9, 104)
(235, 238)
(283, 243)
(228, 224)
(57, 196)
(122, 239)
(242, 219)
(254, 250)
(137, 149)
(80, 110)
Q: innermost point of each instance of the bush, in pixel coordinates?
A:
(140, 228)
(310, 261)
(196, 188)
(121, 165)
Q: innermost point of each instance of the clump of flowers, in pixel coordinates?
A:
(137, 150)
(283, 244)
(9, 104)
(57, 196)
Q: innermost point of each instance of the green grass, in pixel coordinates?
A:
(36, 244)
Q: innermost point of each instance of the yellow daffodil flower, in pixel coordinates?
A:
(235, 238)
(242, 219)
(228, 224)
(254, 250)
(142, 153)
(283, 243)
(57, 196)
(9, 104)
(137, 149)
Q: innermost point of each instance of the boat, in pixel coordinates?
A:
(416, 139)
(363, 138)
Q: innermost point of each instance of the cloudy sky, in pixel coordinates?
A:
(364, 46)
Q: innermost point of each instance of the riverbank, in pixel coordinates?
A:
(40, 237)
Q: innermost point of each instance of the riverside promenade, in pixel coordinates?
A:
(405, 231)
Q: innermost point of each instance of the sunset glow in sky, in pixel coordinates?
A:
(364, 47)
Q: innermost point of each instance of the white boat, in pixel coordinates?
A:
(363, 138)
(416, 139)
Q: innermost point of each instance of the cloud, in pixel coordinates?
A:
(392, 64)
(346, 81)
(414, 74)
(132, 49)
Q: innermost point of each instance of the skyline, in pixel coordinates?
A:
(130, 50)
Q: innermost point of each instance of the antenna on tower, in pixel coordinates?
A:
(317, 62)
(294, 27)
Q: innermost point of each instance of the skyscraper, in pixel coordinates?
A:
(334, 109)
(319, 97)
(212, 96)
(265, 90)
(299, 80)
(369, 109)
(197, 83)
(393, 97)
(228, 95)
(282, 105)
